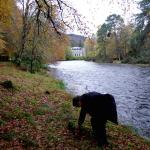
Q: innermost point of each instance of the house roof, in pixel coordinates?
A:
(76, 48)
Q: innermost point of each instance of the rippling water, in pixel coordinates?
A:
(129, 84)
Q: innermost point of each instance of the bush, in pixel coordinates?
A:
(129, 59)
(30, 61)
(31, 64)
(7, 84)
(141, 58)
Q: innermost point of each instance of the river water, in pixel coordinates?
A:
(129, 84)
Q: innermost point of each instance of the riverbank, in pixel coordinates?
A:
(35, 115)
(138, 64)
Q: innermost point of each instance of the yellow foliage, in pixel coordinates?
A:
(6, 9)
(2, 45)
(111, 46)
(58, 47)
(9, 22)
(90, 47)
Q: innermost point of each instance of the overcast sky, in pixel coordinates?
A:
(96, 11)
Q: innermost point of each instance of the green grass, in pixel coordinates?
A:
(42, 110)
(8, 136)
(2, 122)
(61, 85)
(32, 119)
(27, 141)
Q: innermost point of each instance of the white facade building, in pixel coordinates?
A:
(78, 51)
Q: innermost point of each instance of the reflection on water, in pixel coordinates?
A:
(129, 84)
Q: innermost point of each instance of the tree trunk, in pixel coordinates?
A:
(117, 46)
(25, 31)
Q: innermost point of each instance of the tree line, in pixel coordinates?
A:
(117, 41)
(33, 32)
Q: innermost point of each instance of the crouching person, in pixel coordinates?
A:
(101, 107)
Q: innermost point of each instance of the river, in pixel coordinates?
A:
(129, 84)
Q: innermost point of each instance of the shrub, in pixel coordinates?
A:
(7, 84)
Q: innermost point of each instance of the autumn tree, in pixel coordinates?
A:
(43, 47)
(111, 48)
(125, 38)
(46, 14)
(27, 12)
(140, 38)
(143, 29)
(90, 47)
(102, 34)
(143, 19)
(115, 24)
(6, 9)
(6, 14)
(107, 35)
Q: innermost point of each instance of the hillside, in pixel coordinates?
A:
(76, 40)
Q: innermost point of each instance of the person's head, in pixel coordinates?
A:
(76, 101)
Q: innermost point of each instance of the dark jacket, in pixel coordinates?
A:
(98, 106)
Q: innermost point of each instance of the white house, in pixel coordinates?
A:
(78, 51)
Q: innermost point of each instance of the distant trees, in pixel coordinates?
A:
(110, 32)
(102, 35)
(90, 47)
(140, 42)
(143, 18)
(115, 24)
(128, 43)
(125, 39)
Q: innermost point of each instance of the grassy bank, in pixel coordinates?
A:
(35, 115)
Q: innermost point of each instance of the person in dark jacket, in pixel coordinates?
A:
(101, 107)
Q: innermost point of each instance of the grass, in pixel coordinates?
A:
(42, 110)
(30, 118)
(8, 136)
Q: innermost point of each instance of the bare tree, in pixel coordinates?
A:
(66, 17)
(27, 12)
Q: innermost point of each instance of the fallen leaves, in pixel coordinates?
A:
(32, 119)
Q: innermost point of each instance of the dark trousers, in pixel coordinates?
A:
(99, 130)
